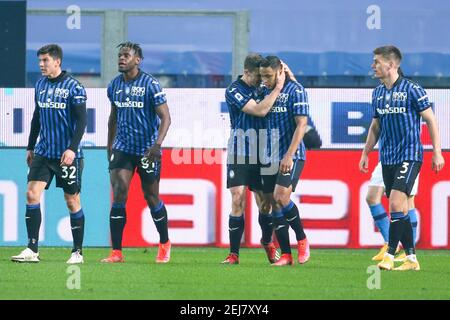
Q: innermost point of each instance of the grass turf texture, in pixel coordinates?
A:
(196, 273)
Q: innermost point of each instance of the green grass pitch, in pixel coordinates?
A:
(196, 273)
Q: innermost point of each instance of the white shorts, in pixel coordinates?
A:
(376, 180)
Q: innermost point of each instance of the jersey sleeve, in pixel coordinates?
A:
(155, 93)
(78, 95)
(374, 105)
(237, 98)
(419, 98)
(109, 92)
(300, 102)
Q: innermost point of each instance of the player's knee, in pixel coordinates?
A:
(371, 200)
(73, 203)
(281, 199)
(120, 194)
(33, 197)
(238, 200)
(152, 200)
(264, 207)
(396, 206)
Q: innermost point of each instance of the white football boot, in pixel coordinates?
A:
(26, 255)
(75, 258)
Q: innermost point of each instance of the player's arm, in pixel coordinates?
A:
(287, 163)
(34, 133)
(112, 128)
(78, 111)
(371, 141)
(154, 153)
(437, 159)
(263, 107)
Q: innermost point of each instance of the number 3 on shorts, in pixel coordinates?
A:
(405, 167)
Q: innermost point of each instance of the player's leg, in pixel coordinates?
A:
(237, 182)
(121, 169)
(73, 203)
(404, 184)
(281, 227)
(120, 182)
(379, 215)
(412, 208)
(265, 219)
(33, 219)
(69, 179)
(150, 173)
(236, 222)
(39, 177)
(286, 184)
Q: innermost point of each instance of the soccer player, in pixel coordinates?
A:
(289, 117)
(138, 123)
(59, 119)
(247, 111)
(374, 194)
(398, 104)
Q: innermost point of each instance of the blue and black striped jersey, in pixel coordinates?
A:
(244, 127)
(398, 111)
(137, 121)
(291, 102)
(56, 98)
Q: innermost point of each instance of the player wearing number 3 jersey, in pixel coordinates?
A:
(398, 105)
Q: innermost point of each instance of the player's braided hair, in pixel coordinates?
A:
(135, 46)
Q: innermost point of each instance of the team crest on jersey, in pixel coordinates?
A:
(282, 98)
(137, 91)
(399, 96)
(63, 93)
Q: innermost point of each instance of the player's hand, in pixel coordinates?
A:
(437, 162)
(67, 157)
(30, 157)
(281, 78)
(153, 153)
(286, 164)
(288, 71)
(364, 164)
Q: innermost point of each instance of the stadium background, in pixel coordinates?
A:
(328, 45)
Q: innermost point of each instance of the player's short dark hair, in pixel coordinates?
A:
(135, 46)
(271, 61)
(252, 61)
(389, 52)
(53, 50)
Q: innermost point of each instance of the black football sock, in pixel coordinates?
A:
(281, 227)
(117, 221)
(159, 215)
(77, 226)
(236, 230)
(33, 219)
(407, 239)
(265, 221)
(292, 216)
(396, 228)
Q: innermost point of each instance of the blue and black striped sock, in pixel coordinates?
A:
(381, 219)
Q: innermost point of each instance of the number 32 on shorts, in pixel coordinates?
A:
(69, 172)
